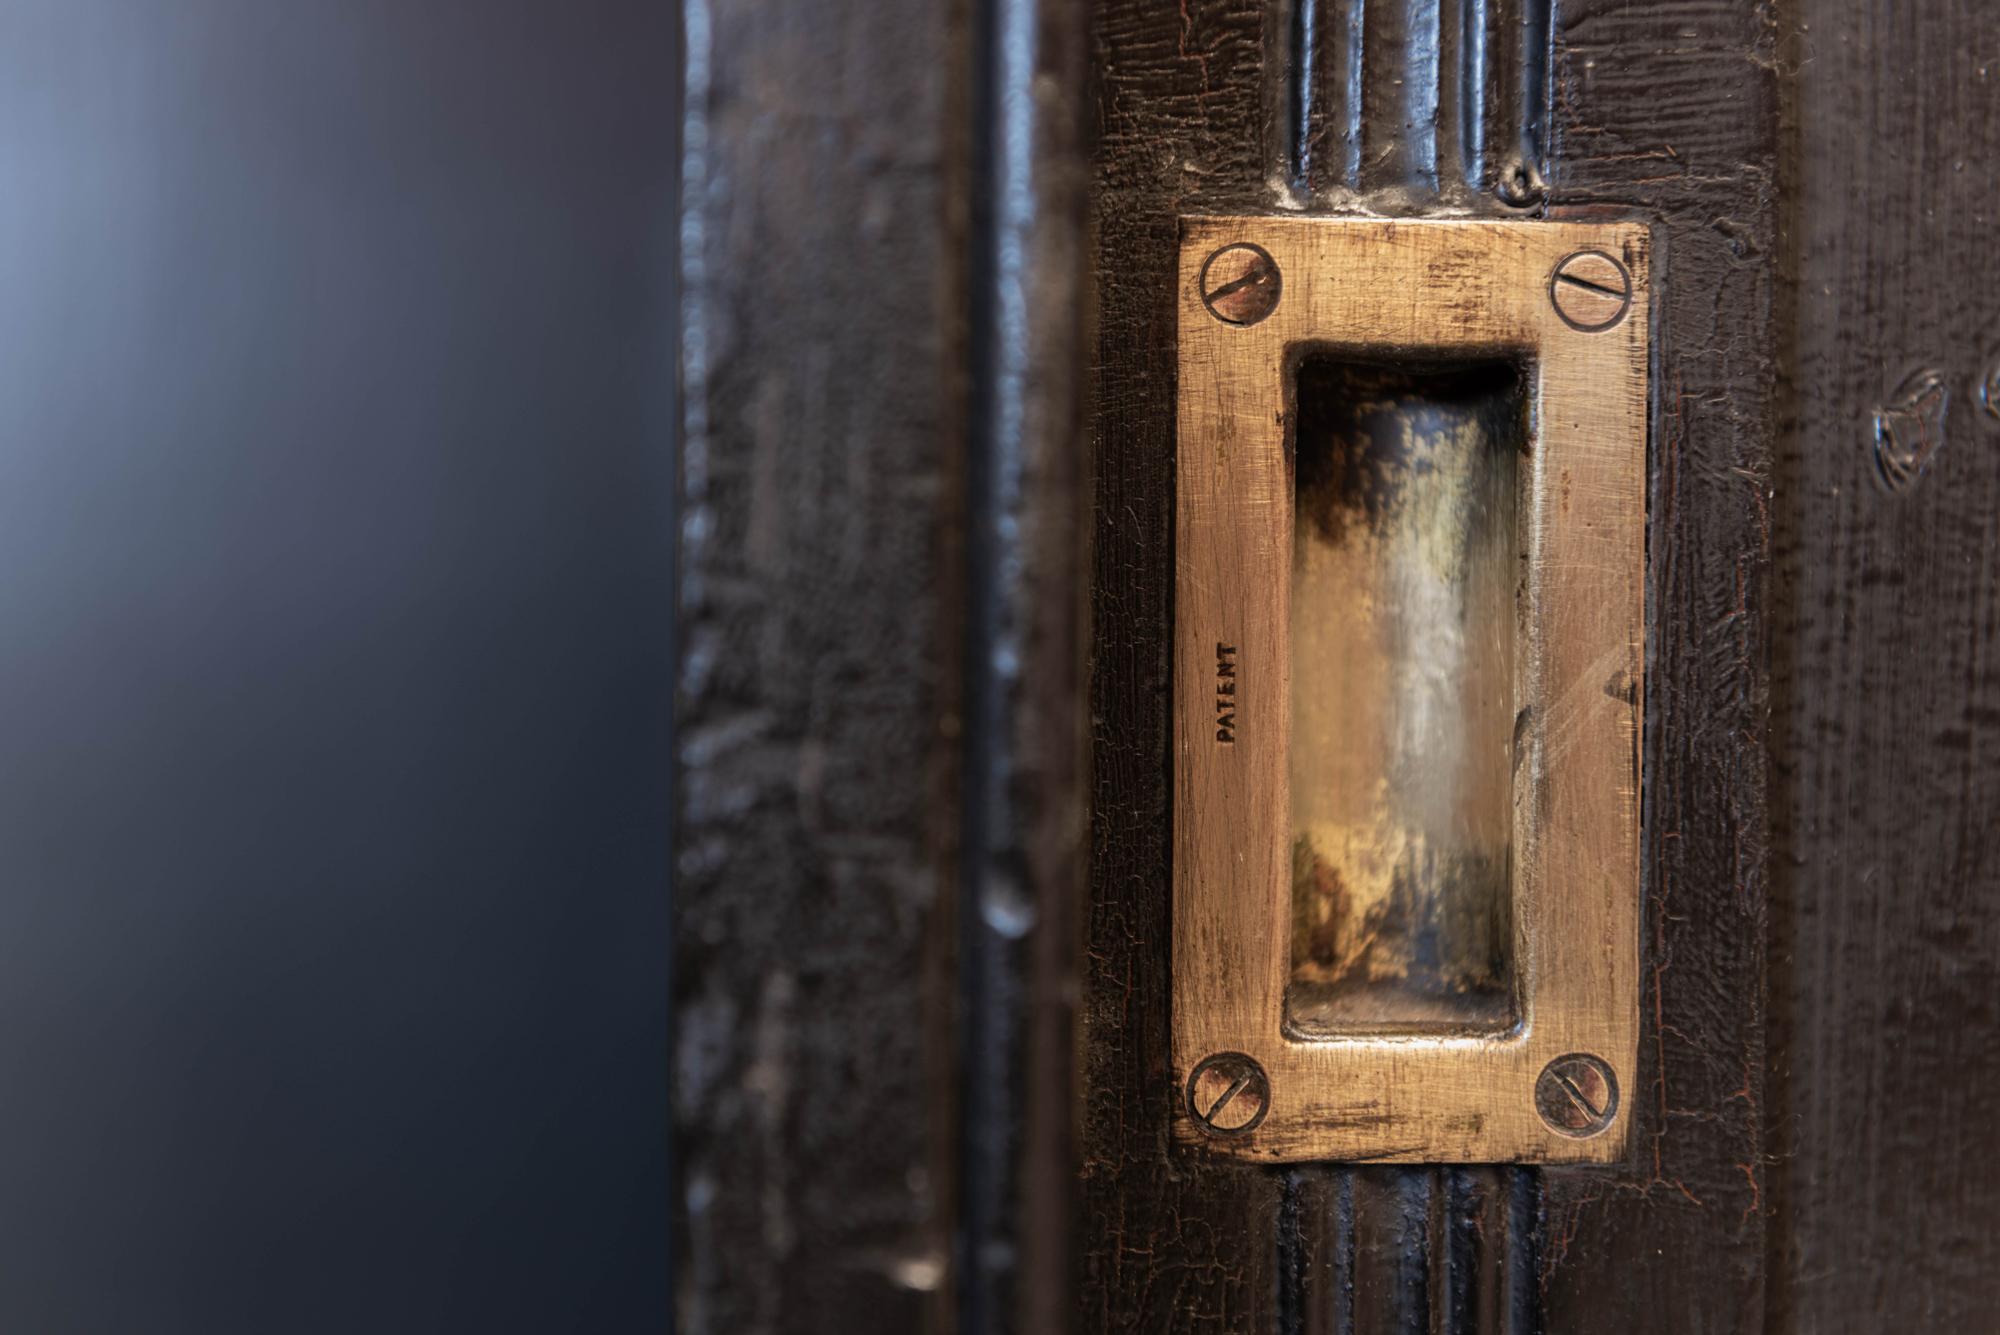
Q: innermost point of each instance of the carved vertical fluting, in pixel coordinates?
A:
(1380, 1250)
(1413, 106)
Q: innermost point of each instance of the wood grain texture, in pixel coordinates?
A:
(1668, 111)
(881, 819)
(1573, 559)
(1887, 989)
(820, 664)
(1173, 1243)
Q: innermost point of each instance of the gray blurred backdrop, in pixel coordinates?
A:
(336, 400)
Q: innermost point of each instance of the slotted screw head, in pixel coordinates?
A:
(1240, 284)
(1228, 1094)
(1591, 291)
(1577, 1095)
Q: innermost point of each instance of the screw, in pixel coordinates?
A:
(1228, 1094)
(1577, 1095)
(1240, 284)
(1591, 291)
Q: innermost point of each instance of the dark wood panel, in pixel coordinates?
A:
(1668, 112)
(881, 818)
(824, 438)
(1173, 1242)
(1888, 728)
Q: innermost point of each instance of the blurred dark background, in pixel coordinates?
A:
(336, 412)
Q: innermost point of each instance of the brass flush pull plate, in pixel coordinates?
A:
(1409, 649)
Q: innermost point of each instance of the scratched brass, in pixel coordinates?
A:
(1408, 682)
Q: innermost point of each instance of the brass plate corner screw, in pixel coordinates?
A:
(1591, 291)
(1228, 1094)
(1577, 1095)
(1240, 284)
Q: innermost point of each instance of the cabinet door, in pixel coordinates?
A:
(1819, 908)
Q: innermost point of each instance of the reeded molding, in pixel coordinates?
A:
(1402, 106)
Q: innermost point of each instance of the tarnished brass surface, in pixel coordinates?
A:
(1409, 651)
(1404, 573)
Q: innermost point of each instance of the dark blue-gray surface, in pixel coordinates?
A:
(335, 471)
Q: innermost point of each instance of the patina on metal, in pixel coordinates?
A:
(1408, 686)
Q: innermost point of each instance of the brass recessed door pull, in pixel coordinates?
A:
(1410, 631)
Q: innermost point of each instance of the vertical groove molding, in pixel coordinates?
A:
(1408, 1251)
(1398, 113)
(1024, 815)
(1407, 106)
(1173, 1243)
